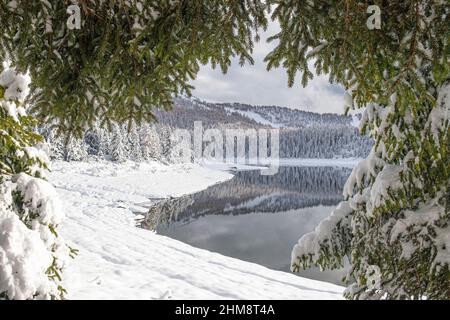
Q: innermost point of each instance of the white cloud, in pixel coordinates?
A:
(252, 84)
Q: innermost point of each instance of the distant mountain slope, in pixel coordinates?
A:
(187, 110)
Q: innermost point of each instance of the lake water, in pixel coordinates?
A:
(253, 217)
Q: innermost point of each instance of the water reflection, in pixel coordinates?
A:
(253, 217)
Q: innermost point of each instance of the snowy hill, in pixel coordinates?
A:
(272, 116)
(119, 261)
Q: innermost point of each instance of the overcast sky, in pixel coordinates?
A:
(252, 84)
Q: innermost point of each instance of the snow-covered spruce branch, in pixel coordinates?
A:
(32, 254)
(394, 225)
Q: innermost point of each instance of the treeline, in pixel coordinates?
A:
(146, 142)
(324, 142)
(302, 134)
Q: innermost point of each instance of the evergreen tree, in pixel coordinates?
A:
(32, 255)
(104, 137)
(134, 147)
(92, 141)
(127, 57)
(150, 143)
(75, 150)
(56, 144)
(117, 151)
(395, 222)
(165, 134)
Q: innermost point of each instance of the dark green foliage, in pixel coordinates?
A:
(19, 157)
(395, 227)
(373, 63)
(127, 58)
(15, 136)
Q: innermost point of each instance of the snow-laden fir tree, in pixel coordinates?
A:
(32, 254)
(117, 149)
(75, 149)
(150, 142)
(103, 138)
(57, 146)
(93, 143)
(134, 145)
(394, 225)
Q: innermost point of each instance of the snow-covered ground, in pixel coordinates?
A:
(254, 116)
(117, 260)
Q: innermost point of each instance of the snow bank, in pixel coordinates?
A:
(24, 259)
(119, 261)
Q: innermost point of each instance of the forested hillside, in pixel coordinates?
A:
(302, 134)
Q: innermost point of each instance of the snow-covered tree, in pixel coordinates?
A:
(133, 145)
(117, 149)
(57, 146)
(93, 142)
(32, 254)
(150, 143)
(75, 150)
(394, 225)
(165, 133)
(104, 140)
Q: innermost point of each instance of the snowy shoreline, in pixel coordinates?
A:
(320, 162)
(282, 162)
(119, 261)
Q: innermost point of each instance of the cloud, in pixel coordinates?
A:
(252, 84)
